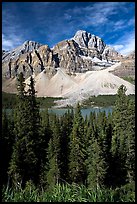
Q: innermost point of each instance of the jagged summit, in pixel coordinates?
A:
(27, 46)
(88, 40)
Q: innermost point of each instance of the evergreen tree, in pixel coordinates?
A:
(77, 149)
(108, 155)
(54, 155)
(66, 129)
(119, 137)
(46, 135)
(104, 140)
(130, 160)
(96, 166)
(90, 135)
(24, 164)
(6, 145)
(35, 128)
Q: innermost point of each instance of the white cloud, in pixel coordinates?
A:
(126, 44)
(11, 41)
(95, 14)
(128, 48)
(118, 47)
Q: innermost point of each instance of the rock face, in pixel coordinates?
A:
(26, 47)
(86, 40)
(127, 67)
(75, 55)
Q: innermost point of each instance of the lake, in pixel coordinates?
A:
(85, 111)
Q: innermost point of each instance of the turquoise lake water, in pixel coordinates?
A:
(84, 111)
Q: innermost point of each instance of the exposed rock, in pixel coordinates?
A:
(26, 47)
(69, 55)
(127, 67)
(110, 53)
(81, 53)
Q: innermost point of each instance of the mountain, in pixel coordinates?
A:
(75, 55)
(55, 68)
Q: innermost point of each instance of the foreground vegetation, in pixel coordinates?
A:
(69, 193)
(67, 158)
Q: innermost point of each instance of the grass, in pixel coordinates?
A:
(102, 100)
(9, 101)
(129, 79)
(69, 193)
(47, 102)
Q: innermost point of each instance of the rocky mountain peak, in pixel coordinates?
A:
(26, 47)
(30, 45)
(82, 38)
(88, 40)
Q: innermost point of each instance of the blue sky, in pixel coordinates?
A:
(51, 22)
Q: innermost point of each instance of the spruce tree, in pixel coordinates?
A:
(24, 164)
(6, 145)
(130, 159)
(77, 149)
(54, 155)
(119, 137)
(96, 166)
(45, 136)
(66, 129)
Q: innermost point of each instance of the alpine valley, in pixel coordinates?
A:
(73, 69)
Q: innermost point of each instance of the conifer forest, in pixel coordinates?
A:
(50, 158)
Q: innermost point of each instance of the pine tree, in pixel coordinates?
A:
(108, 155)
(91, 134)
(104, 140)
(96, 166)
(24, 164)
(130, 160)
(66, 129)
(35, 126)
(77, 149)
(6, 145)
(46, 134)
(54, 155)
(119, 137)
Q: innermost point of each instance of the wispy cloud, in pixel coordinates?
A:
(51, 22)
(125, 44)
(95, 14)
(12, 34)
(122, 24)
(10, 42)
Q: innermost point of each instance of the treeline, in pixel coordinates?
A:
(103, 100)
(46, 150)
(9, 101)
